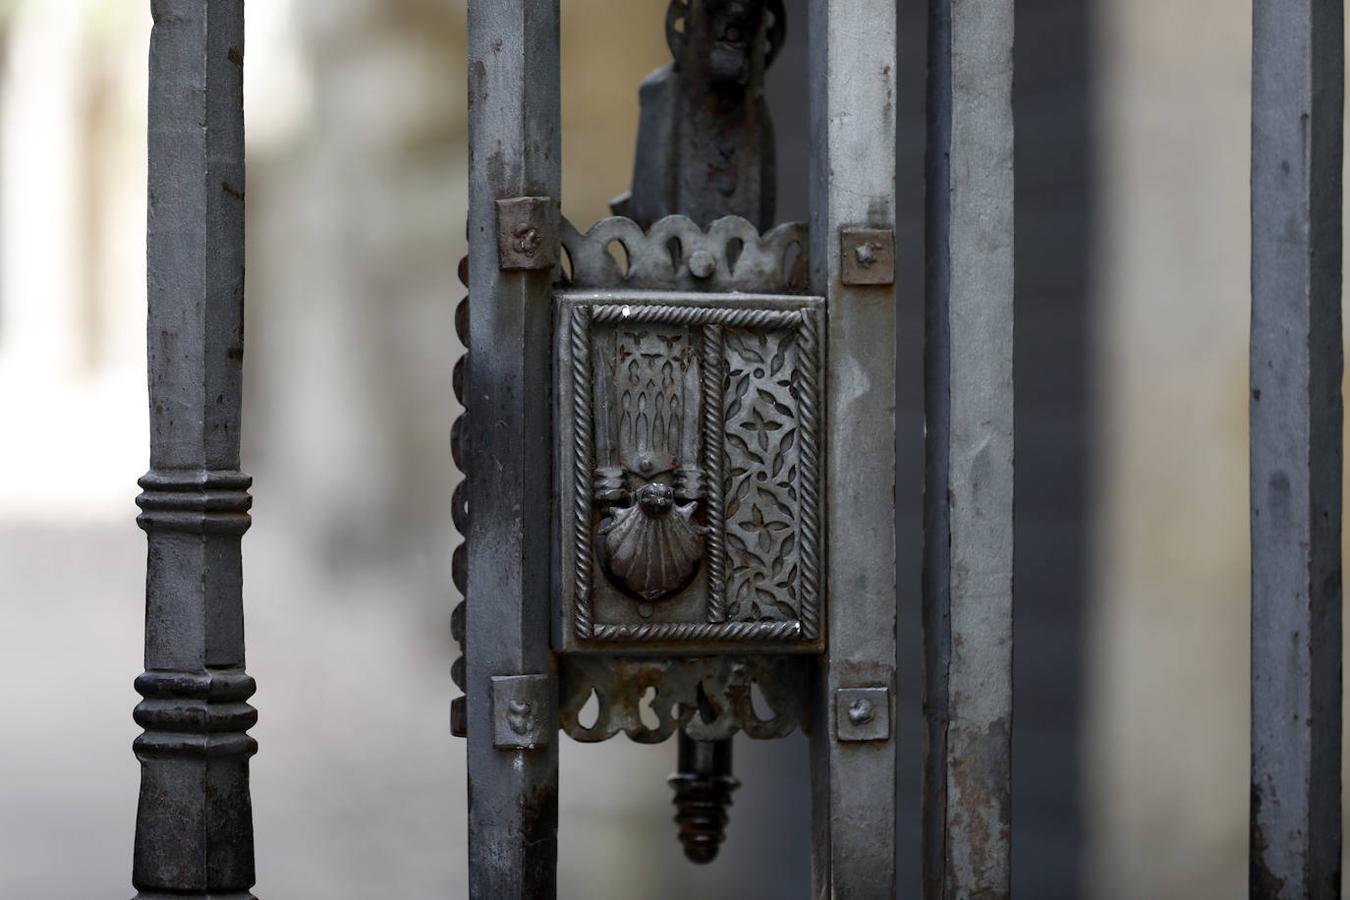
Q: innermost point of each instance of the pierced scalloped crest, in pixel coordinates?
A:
(710, 697)
(675, 254)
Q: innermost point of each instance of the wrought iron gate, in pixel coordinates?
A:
(679, 442)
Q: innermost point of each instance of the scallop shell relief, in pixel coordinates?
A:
(649, 484)
(691, 462)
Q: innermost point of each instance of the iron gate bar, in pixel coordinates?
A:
(852, 178)
(1298, 88)
(194, 824)
(968, 499)
(514, 151)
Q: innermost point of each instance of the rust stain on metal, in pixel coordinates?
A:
(1264, 884)
(979, 807)
(527, 233)
(867, 256)
(477, 78)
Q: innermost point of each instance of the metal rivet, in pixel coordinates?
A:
(527, 240)
(521, 711)
(863, 714)
(701, 264)
(866, 254)
(860, 712)
(519, 718)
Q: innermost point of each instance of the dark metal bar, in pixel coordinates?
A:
(853, 758)
(1298, 72)
(514, 121)
(968, 518)
(194, 827)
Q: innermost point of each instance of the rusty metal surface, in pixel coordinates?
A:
(1296, 448)
(968, 577)
(527, 233)
(867, 255)
(711, 698)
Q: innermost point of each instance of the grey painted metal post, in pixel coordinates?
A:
(514, 122)
(194, 827)
(968, 564)
(1298, 71)
(852, 73)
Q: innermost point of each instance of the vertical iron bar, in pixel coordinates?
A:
(514, 128)
(968, 555)
(194, 825)
(852, 76)
(1298, 62)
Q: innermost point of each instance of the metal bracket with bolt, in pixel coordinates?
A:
(868, 256)
(527, 233)
(524, 714)
(863, 714)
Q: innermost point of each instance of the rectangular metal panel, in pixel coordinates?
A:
(852, 76)
(514, 130)
(1298, 71)
(194, 827)
(714, 401)
(968, 519)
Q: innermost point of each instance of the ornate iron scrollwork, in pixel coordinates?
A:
(689, 467)
(689, 393)
(679, 370)
(690, 453)
(711, 697)
(676, 254)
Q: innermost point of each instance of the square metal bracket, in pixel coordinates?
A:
(862, 714)
(527, 233)
(867, 255)
(523, 711)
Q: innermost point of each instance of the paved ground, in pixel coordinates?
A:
(358, 789)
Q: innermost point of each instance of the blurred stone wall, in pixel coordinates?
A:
(1167, 748)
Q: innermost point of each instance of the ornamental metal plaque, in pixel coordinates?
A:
(689, 471)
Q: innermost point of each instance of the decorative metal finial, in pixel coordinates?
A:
(703, 787)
